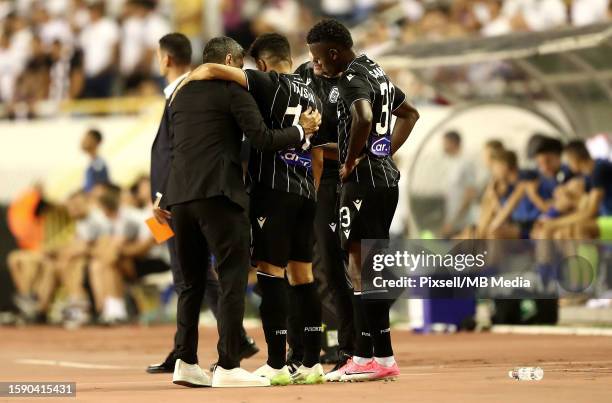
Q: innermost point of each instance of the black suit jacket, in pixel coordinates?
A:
(208, 119)
(160, 157)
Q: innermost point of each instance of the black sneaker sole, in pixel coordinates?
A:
(189, 384)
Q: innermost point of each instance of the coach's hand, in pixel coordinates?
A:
(310, 121)
(162, 216)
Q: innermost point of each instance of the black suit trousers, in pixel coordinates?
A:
(214, 225)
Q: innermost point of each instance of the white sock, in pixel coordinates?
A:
(361, 360)
(385, 361)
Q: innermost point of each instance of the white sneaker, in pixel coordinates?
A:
(190, 375)
(237, 378)
(309, 376)
(280, 377)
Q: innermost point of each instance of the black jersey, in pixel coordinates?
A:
(364, 79)
(327, 91)
(281, 99)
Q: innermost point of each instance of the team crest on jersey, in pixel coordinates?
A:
(333, 95)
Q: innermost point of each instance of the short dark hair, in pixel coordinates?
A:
(331, 31)
(548, 145)
(178, 47)
(273, 45)
(110, 199)
(96, 134)
(494, 145)
(453, 135)
(508, 157)
(217, 48)
(578, 149)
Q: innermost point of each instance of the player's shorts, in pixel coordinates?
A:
(145, 266)
(366, 212)
(605, 228)
(282, 225)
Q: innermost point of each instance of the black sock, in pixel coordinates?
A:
(363, 341)
(273, 311)
(309, 304)
(295, 329)
(377, 314)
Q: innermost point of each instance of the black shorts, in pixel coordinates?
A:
(146, 266)
(282, 227)
(366, 212)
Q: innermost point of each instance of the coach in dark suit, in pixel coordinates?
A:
(208, 203)
(174, 56)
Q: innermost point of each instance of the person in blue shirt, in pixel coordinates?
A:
(97, 171)
(594, 218)
(539, 185)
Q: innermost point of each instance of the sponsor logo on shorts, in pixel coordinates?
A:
(381, 147)
(313, 329)
(280, 331)
(332, 226)
(357, 203)
(261, 221)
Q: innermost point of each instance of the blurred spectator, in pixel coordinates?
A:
(97, 172)
(9, 69)
(598, 174)
(535, 15)
(585, 12)
(99, 41)
(50, 28)
(41, 230)
(539, 185)
(129, 253)
(33, 83)
(493, 21)
(460, 187)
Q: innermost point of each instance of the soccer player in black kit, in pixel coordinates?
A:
(331, 258)
(369, 193)
(283, 195)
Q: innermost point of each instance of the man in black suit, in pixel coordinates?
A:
(174, 56)
(208, 205)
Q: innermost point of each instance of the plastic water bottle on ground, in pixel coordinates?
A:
(527, 374)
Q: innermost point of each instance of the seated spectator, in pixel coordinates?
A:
(128, 253)
(41, 230)
(97, 171)
(539, 185)
(501, 198)
(73, 259)
(593, 218)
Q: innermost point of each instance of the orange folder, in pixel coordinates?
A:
(161, 232)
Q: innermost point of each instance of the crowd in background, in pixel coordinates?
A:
(86, 251)
(67, 49)
(568, 195)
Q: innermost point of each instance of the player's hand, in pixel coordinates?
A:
(162, 216)
(310, 120)
(348, 167)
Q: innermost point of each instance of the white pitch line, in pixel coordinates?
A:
(70, 364)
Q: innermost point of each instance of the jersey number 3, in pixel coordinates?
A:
(383, 126)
